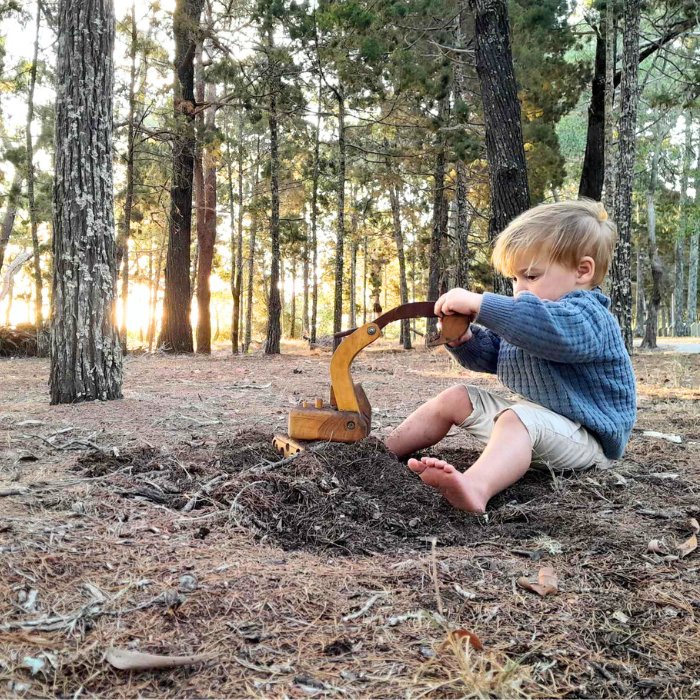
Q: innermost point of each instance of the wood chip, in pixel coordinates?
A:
(655, 546)
(126, 660)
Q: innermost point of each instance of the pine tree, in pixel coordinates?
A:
(86, 358)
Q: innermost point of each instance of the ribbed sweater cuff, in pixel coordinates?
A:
(496, 313)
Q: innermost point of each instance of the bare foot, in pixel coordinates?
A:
(450, 482)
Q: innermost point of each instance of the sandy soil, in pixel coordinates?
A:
(318, 576)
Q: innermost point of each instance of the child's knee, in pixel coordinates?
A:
(453, 404)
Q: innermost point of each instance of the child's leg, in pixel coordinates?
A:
(431, 422)
(505, 459)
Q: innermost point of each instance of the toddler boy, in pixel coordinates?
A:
(554, 344)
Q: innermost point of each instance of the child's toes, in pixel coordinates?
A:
(429, 461)
(415, 466)
(440, 464)
(448, 469)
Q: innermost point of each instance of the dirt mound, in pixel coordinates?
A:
(349, 498)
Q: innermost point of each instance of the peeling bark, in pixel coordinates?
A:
(86, 357)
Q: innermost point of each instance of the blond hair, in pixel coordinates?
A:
(564, 232)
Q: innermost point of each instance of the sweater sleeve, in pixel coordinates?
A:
(569, 330)
(480, 353)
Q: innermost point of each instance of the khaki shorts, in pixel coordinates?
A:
(557, 442)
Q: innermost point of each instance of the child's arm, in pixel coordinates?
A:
(480, 352)
(560, 331)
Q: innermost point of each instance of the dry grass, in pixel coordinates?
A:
(106, 567)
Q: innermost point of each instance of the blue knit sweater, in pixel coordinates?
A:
(567, 355)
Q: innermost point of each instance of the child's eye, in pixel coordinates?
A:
(532, 278)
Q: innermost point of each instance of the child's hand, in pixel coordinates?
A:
(462, 339)
(458, 301)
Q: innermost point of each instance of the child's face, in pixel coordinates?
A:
(551, 281)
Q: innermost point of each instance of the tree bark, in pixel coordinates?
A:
(680, 327)
(8, 221)
(340, 232)
(156, 288)
(593, 174)
(86, 357)
(640, 300)
(206, 238)
(510, 193)
(652, 320)
(176, 329)
(609, 163)
(621, 287)
(293, 305)
(237, 265)
(123, 244)
(251, 257)
(38, 284)
(693, 254)
(364, 280)
(398, 239)
(274, 330)
(438, 206)
(314, 217)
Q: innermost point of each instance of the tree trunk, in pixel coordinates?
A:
(38, 285)
(314, 217)
(281, 287)
(640, 300)
(251, 258)
(510, 194)
(693, 254)
(462, 223)
(129, 199)
(680, 327)
(398, 239)
(364, 280)
(86, 357)
(438, 205)
(353, 275)
(237, 264)
(305, 281)
(176, 329)
(652, 321)
(340, 234)
(463, 226)
(293, 305)
(274, 331)
(608, 151)
(593, 173)
(621, 286)
(8, 221)
(206, 238)
(156, 288)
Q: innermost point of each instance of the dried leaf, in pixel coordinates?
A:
(655, 546)
(694, 525)
(461, 635)
(547, 582)
(688, 546)
(136, 661)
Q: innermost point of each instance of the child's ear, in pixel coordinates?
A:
(585, 271)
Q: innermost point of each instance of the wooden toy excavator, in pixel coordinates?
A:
(348, 415)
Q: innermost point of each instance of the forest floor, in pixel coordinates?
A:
(155, 524)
